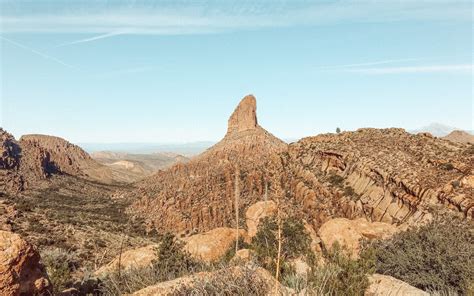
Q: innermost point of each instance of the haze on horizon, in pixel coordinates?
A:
(157, 71)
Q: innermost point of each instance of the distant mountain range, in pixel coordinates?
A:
(438, 130)
(186, 149)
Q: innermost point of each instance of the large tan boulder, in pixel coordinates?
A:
(348, 233)
(224, 281)
(21, 272)
(385, 285)
(212, 245)
(135, 258)
(257, 212)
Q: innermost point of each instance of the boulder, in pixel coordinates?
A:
(196, 284)
(135, 258)
(212, 245)
(384, 285)
(255, 213)
(242, 256)
(21, 272)
(348, 233)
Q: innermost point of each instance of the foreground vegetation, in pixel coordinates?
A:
(437, 257)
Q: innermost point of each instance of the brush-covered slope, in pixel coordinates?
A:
(199, 195)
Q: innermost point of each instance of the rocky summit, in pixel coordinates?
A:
(199, 195)
(385, 175)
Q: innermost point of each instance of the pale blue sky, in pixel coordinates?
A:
(173, 71)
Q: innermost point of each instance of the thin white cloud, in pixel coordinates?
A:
(43, 55)
(222, 16)
(459, 68)
(102, 36)
(381, 62)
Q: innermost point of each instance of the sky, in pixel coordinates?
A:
(173, 71)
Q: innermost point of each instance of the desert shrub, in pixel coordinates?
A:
(224, 282)
(336, 180)
(447, 166)
(59, 265)
(438, 256)
(295, 243)
(341, 275)
(172, 262)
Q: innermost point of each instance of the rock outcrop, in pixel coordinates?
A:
(35, 158)
(130, 259)
(349, 233)
(212, 245)
(383, 175)
(385, 285)
(21, 272)
(199, 195)
(255, 213)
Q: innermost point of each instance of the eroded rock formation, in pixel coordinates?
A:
(200, 195)
(384, 175)
(21, 272)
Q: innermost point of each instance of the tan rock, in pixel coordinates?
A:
(384, 285)
(245, 116)
(21, 272)
(212, 245)
(218, 279)
(255, 213)
(242, 256)
(135, 258)
(348, 233)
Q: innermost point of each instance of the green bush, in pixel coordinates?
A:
(172, 262)
(335, 180)
(340, 275)
(59, 265)
(447, 166)
(295, 243)
(438, 256)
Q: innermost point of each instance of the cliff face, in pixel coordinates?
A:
(37, 157)
(199, 195)
(383, 174)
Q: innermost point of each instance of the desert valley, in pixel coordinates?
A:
(365, 212)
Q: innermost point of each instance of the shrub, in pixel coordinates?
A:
(438, 256)
(340, 275)
(336, 180)
(295, 243)
(447, 166)
(173, 262)
(59, 264)
(224, 282)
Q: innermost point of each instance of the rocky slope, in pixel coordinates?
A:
(199, 195)
(138, 166)
(460, 137)
(385, 175)
(35, 158)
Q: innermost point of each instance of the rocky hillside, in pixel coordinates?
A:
(383, 174)
(35, 158)
(138, 166)
(460, 137)
(199, 195)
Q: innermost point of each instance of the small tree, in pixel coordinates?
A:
(338, 130)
